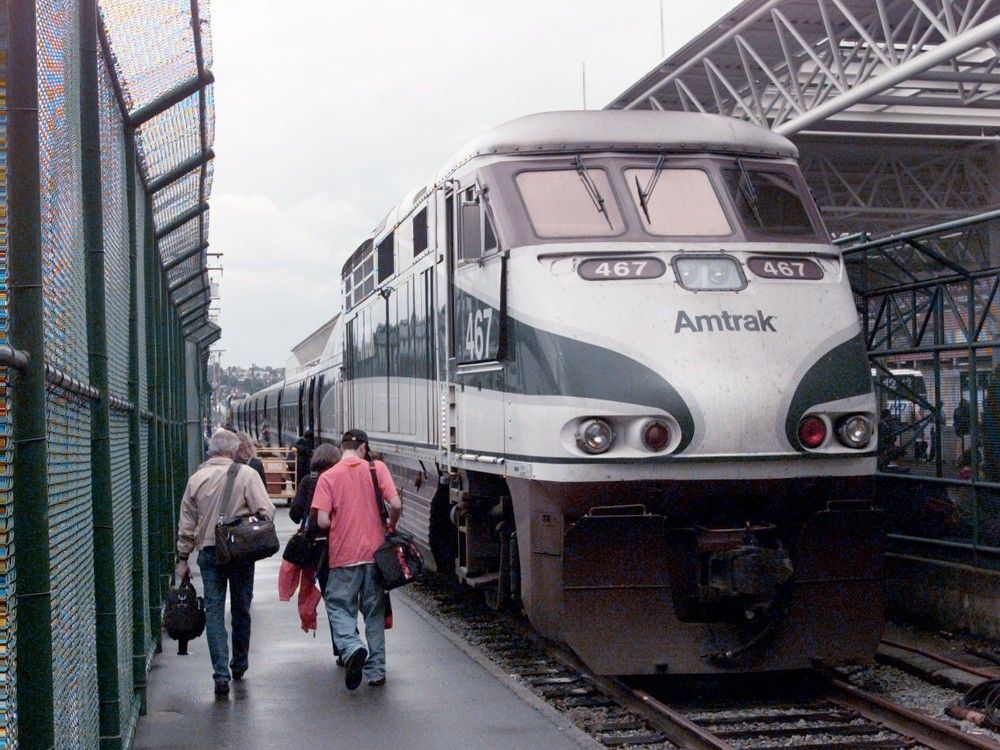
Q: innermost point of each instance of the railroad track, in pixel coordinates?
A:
(613, 713)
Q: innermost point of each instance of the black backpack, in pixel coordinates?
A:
(184, 615)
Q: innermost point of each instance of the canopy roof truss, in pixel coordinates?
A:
(894, 104)
(790, 65)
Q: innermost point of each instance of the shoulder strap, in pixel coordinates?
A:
(227, 493)
(379, 500)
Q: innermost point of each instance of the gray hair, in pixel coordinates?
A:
(246, 450)
(223, 443)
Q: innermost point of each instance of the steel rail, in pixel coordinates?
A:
(926, 731)
(941, 658)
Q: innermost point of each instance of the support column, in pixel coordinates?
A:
(97, 344)
(135, 432)
(33, 597)
(153, 532)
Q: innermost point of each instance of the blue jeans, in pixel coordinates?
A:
(341, 598)
(215, 578)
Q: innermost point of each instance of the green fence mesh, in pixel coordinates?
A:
(145, 49)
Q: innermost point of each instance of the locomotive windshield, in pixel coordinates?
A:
(677, 202)
(768, 202)
(575, 202)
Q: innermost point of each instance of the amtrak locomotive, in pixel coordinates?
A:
(614, 363)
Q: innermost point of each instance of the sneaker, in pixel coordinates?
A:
(377, 682)
(355, 665)
(222, 687)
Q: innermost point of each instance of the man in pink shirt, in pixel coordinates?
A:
(346, 504)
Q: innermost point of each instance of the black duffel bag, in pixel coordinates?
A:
(398, 561)
(304, 548)
(184, 615)
(242, 540)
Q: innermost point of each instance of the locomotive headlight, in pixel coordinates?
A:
(595, 436)
(656, 435)
(855, 431)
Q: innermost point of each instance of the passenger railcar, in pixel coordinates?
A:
(614, 363)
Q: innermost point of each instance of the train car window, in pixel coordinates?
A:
(570, 203)
(386, 257)
(420, 232)
(768, 202)
(677, 203)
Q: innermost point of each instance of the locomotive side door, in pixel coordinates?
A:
(478, 331)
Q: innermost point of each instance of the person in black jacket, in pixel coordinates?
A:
(303, 454)
(247, 454)
(323, 458)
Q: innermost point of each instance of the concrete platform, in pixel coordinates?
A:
(294, 696)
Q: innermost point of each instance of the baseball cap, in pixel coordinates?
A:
(358, 436)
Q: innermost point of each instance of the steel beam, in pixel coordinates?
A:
(191, 296)
(33, 665)
(185, 280)
(182, 169)
(175, 96)
(174, 262)
(181, 220)
(938, 55)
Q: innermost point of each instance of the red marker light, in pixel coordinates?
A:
(812, 432)
(656, 435)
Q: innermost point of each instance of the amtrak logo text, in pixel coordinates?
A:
(724, 321)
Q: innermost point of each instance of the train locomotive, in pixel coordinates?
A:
(614, 363)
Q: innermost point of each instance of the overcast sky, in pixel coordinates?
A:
(327, 113)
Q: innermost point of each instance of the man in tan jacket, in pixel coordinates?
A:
(202, 505)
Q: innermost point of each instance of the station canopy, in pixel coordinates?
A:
(894, 104)
(165, 85)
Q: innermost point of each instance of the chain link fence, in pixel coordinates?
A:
(106, 126)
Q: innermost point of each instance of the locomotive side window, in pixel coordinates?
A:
(677, 202)
(768, 202)
(420, 232)
(570, 202)
(477, 235)
(386, 257)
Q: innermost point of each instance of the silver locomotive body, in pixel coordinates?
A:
(616, 368)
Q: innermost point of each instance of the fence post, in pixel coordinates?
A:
(153, 334)
(97, 338)
(135, 431)
(35, 710)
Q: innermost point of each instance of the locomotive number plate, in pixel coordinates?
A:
(785, 268)
(606, 269)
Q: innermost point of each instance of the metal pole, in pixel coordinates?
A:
(152, 430)
(33, 666)
(97, 339)
(135, 432)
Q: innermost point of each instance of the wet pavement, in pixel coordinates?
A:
(294, 696)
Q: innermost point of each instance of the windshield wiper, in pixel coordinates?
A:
(592, 191)
(647, 192)
(749, 192)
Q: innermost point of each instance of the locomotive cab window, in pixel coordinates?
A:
(570, 202)
(768, 202)
(677, 202)
(477, 237)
